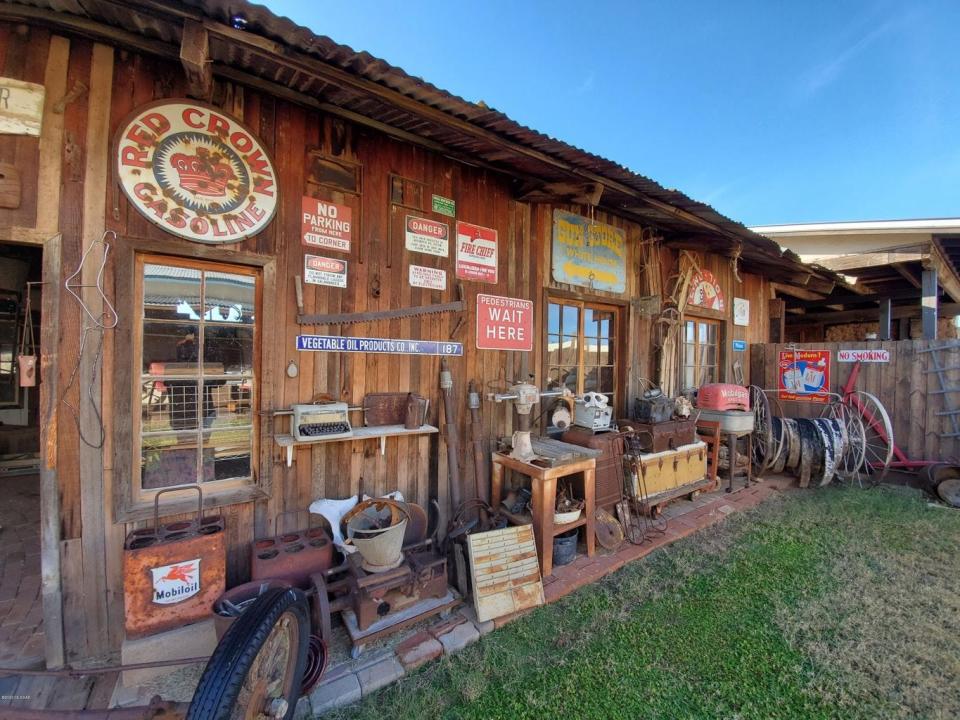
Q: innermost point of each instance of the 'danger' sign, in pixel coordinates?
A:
(196, 172)
(504, 323)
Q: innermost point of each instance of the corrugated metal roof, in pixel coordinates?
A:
(490, 136)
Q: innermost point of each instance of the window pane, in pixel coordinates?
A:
(554, 377)
(710, 355)
(606, 379)
(605, 322)
(712, 333)
(589, 322)
(227, 349)
(169, 459)
(553, 318)
(690, 337)
(571, 320)
(229, 298)
(604, 354)
(226, 453)
(171, 293)
(590, 379)
(688, 377)
(702, 332)
(181, 404)
(170, 348)
(569, 378)
(553, 349)
(569, 350)
(227, 403)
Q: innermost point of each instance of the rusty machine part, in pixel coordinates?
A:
(234, 601)
(417, 521)
(609, 532)
(173, 573)
(317, 659)
(291, 556)
(372, 315)
(416, 589)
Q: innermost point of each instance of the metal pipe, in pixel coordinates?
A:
(452, 438)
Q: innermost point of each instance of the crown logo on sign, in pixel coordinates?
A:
(203, 173)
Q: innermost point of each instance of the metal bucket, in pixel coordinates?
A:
(565, 548)
(379, 545)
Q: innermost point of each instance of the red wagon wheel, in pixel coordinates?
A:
(878, 434)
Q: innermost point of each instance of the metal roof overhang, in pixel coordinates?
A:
(287, 60)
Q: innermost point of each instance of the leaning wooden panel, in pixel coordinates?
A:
(505, 572)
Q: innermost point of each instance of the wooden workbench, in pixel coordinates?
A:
(543, 485)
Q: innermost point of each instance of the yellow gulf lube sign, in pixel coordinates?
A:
(196, 172)
(588, 253)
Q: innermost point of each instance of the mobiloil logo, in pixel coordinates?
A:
(177, 582)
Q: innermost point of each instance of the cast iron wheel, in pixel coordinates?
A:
(764, 452)
(257, 669)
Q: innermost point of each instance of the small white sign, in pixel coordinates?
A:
(428, 277)
(177, 582)
(427, 236)
(21, 107)
(741, 311)
(318, 270)
(867, 356)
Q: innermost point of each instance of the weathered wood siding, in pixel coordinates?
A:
(69, 188)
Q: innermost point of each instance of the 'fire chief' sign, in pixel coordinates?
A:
(504, 323)
(196, 172)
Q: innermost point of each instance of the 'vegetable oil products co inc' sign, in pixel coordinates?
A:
(325, 224)
(196, 172)
(504, 323)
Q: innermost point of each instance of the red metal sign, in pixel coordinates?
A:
(325, 224)
(427, 236)
(705, 291)
(319, 270)
(476, 253)
(804, 375)
(196, 172)
(504, 323)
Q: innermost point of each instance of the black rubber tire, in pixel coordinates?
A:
(231, 660)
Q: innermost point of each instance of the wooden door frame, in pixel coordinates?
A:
(51, 579)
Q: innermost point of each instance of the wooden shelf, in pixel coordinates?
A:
(382, 432)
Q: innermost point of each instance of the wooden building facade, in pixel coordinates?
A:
(337, 128)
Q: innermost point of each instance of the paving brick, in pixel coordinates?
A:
(339, 692)
(303, 710)
(458, 638)
(483, 627)
(442, 628)
(379, 675)
(419, 649)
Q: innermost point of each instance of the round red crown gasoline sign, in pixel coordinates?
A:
(196, 172)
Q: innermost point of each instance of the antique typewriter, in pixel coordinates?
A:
(326, 421)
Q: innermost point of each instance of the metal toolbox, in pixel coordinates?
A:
(672, 469)
(173, 573)
(292, 556)
(657, 437)
(609, 472)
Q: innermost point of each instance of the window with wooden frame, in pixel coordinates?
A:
(196, 354)
(582, 346)
(701, 352)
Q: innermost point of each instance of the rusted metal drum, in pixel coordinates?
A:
(173, 573)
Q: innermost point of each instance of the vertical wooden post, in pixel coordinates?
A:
(928, 308)
(904, 329)
(886, 312)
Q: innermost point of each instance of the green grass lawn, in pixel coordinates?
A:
(832, 603)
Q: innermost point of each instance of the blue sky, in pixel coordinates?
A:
(772, 112)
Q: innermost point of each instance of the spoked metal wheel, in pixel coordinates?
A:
(850, 466)
(878, 434)
(257, 669)
(764, 450)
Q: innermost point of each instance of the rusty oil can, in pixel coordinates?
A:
(292, 556)
(173, 573)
